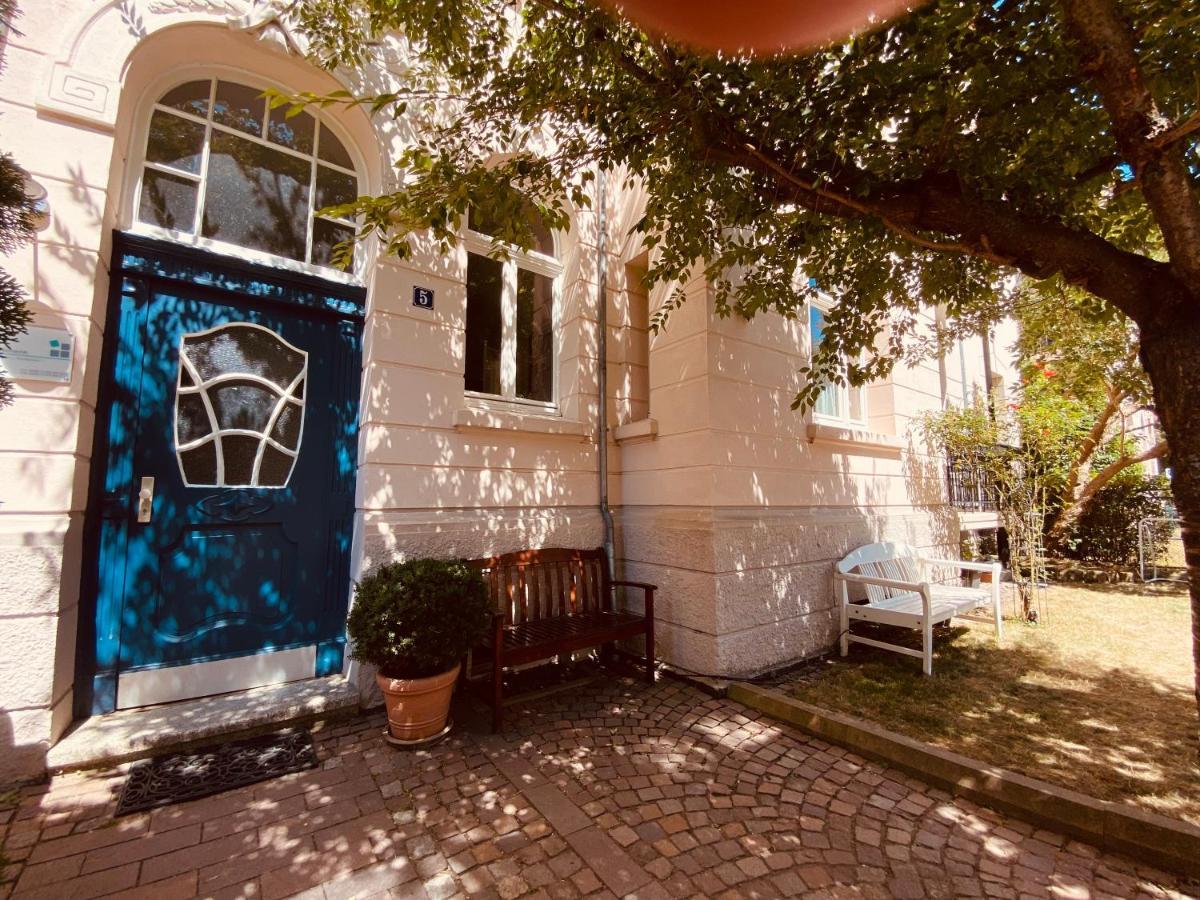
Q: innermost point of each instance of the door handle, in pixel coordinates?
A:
(145, 506)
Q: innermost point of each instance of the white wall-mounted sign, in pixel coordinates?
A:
(41, 354)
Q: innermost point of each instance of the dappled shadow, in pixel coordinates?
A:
(1114, 733)
(688, 794)
(707, 795)
(1156, 588)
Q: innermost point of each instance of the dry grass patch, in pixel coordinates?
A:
(1098, 698)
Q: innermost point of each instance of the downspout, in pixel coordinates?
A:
(602, 351)
(987, 373)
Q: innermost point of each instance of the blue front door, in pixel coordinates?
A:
(224, 518)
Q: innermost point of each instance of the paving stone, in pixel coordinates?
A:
(618, 790)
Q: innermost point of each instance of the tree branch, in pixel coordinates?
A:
(1165, 139)
(1108, 56)
(1105, 475)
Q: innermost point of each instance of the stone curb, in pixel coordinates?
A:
(1162, 841)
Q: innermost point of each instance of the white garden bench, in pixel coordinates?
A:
(899, 592)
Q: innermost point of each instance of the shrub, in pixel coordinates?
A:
(1107, 529)
(418, 618)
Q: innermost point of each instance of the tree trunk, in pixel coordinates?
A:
(1171, 355)
(1062, 519)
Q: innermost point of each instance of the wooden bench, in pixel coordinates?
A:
(899, 591)
(552, 602)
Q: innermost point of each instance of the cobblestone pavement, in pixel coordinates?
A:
(618, 790)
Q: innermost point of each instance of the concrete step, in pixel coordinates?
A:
(129, 734)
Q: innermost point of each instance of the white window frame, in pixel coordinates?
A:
(540, 264)
(839, 392)
(139, 163)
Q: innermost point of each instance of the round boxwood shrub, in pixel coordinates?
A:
(418, 618)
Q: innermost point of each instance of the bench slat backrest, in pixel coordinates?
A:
(543, 584)
(894, 561)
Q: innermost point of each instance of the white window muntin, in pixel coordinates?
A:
(195, 237)
(293, 393)
(836, 401)
(539, 264)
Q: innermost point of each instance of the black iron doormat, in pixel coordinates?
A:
(211, 770)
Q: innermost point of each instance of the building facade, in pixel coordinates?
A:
(235, 428)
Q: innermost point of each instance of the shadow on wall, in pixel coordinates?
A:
(748, 588)
(925, 473)
(19, 762)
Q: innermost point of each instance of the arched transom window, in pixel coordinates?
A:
(220, 166)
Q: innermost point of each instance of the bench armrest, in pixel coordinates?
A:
(647, 598)
(963, 564)
(881, 582)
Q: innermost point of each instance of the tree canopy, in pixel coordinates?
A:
(961, 141)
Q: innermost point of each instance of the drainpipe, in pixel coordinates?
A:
(987, 373)
(602, 350)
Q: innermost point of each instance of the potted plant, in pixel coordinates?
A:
(415, 621)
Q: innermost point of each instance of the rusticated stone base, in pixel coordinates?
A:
(744, 590)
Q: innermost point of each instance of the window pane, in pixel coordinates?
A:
(287, 425)
(191, 97)
(243, 405)
(296, 132)
(827, 402)
(238, 452)
(333, 151)
(240, 107)
(200, 465)
(191, 418)
(816, 326)
(855, 398)
(175, 142)
(168, 201)
(326, 236)
(334, 188)
(275, 468)
(484, 278)
(535, 339)
(256, 197)
(243, 350)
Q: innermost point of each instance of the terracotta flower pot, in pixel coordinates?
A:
(417, 708)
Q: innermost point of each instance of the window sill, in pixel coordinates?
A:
(635, 432)
(476, 419)
(848, 434)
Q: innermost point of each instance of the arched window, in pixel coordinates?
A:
(510, 316)
(220, 166)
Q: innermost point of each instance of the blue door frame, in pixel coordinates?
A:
(223, 568)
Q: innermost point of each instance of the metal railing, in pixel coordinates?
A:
(969, 487)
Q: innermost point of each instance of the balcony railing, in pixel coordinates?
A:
(969, 487)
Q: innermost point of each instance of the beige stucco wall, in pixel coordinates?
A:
(738, 507)
(725, 502)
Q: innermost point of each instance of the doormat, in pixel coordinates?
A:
(200, 773)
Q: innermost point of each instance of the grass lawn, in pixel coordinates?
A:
(1097, 698)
